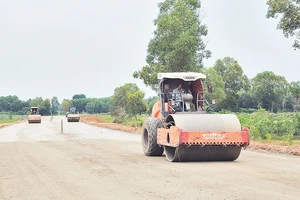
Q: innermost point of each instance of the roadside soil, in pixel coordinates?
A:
(4, 124)
(7, 124)
(97, 121)
(254, 145)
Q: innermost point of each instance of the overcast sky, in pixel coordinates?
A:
(66, 47)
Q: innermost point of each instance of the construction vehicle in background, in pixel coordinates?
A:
(34, 116)
(73, 115)
(181, 127)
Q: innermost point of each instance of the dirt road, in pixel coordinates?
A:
(87, 162)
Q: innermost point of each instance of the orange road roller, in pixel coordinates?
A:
(181, 128)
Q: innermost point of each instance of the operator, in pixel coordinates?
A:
(167, 92)
(177, 96)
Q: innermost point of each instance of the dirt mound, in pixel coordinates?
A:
(97, 121)
(289, 149)
(92, 119)
(4, 124)
(120, 127)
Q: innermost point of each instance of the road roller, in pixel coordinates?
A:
(34, 116)
(73, 115)
(181, 128)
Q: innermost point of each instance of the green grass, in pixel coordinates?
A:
(106, 118)
(127, 121)
(139, 122)
(9, 120)
(283, 142)
(281, 128)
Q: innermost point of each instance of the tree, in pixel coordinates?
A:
(94, 106)
(295, 91)
(90, 107)
(269, 89)
(127, 99)
(54, 106)
(217, 83)
(151, 101)
(246, 100)
(289, 23)
(45, 108)
(37, 102)
(105, 102)
(288, 105)
(11, 104)
(79, 96)
(178, 41)
(66, 104)
(234, 81)
(80, 104)
(137, 104)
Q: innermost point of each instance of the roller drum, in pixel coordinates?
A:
(204, 122)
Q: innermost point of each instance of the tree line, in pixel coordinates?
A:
(235, 91)
(86, 105)
(12, 104)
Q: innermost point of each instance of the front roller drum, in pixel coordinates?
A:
(198, 153)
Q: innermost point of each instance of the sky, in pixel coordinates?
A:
(61, 48)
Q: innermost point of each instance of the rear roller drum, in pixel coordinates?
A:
(197, 153)
(209, 123)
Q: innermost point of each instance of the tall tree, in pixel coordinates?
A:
(54, 106)
(80, 104)
(66, 104)
(36, 102)
(289, 12)
(295, 91)
(127, 99)
(151, 101)
(90, 107)
(178, 43)
(217, 84)
(45, 109)
(288, 104)
(94, 106)
(137, 104)
(105, 102)
(269, 89)
(79, 96)
(234, 81)
(246, 100)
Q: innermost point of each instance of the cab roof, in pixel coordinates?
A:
(186, 76)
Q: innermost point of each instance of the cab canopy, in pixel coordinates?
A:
(185, 76)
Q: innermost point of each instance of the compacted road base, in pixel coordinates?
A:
(39, 162)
